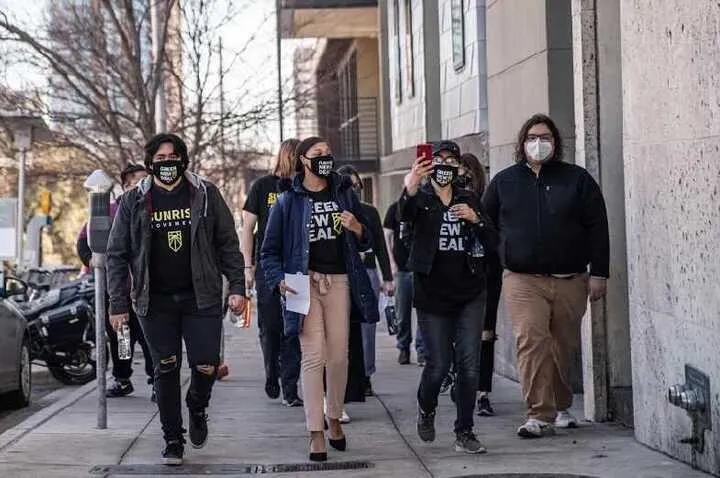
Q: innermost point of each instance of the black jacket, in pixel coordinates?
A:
(555, 223)
(214, 250)
(424, 211)
(379, 247)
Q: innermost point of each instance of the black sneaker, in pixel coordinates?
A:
(293, 402)
(404, 357)
(272, 388)
(369, 392)
(421, 361)
(484, 407)
(121, 388)
(173, 453)
(198, 429)
(426, 425)
(467, 442)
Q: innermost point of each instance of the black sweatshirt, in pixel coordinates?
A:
(555, 223)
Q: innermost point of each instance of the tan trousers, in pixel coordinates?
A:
(546, 314)
(324, 344)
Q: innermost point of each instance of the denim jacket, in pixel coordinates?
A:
(286, 247)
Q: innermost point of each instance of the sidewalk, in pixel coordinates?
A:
(250, 434)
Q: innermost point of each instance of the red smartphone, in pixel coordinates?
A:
(424, 150)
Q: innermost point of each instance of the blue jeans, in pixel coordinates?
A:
(368, 330)
(440, 332)
(403, 309)
(281, 354)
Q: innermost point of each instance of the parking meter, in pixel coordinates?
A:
(99, 185)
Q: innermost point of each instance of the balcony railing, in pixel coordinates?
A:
(302, 4)
(349, 124)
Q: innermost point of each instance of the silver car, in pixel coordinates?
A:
(15, 367)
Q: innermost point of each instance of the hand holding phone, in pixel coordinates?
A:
(421, 167)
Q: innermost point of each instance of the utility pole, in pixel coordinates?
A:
(222, 105)
(278, 40)
(158, 63)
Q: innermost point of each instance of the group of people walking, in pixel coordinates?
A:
(446, 247)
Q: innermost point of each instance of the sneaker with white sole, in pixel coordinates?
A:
(344, 419)
(565, 420)
(467, 442)
(535, 428)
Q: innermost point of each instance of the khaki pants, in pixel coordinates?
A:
(546, 314)
(324, 345)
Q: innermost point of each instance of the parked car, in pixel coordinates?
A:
(15, 362)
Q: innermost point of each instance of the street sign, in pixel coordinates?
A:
(8, 228)
(23, 136)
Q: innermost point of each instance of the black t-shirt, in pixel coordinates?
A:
(450, 284)
(263, 194)
(170, 270)
(401, 237)
(327, 252)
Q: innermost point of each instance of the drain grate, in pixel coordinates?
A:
(526, 475)
(226, 469)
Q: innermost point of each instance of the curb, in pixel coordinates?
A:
(15, 434)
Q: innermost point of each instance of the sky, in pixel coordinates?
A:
(252, 32)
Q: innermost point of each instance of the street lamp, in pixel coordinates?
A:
(99, 185)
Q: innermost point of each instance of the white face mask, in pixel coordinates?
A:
(538, 150)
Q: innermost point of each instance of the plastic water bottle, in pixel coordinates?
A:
(123, 337)
(390, 316)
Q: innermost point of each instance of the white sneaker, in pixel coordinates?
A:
(535, 428)
(565, 420)
(344, 419)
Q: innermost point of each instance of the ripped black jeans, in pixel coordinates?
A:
(172, 319)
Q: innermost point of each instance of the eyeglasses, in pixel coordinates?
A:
(166, 157)
(449, 160)
(541, 137)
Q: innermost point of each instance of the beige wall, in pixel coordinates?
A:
(367, 67)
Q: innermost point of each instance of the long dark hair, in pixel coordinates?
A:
(535, 119)
(285, 161)
(479, 180)
(179, 147)
(302, 148)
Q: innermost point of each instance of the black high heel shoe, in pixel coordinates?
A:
(339, 444)
(317, 455)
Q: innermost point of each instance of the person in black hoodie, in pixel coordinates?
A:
(553, 228)
(451, 237)
(380, 253)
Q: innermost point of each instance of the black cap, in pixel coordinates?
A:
(449, 146)
(130, 169)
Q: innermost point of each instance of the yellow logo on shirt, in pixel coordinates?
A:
(337, 222)
(175, 240)
(271, 198)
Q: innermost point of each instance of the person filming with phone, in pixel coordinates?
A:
(451, 237)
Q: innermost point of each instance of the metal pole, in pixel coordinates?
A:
(101, 365)
(21, 208)
(278, 41)
(156, 32)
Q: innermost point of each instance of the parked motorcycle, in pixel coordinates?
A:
(62, 330)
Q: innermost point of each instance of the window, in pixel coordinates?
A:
(409, 56)
(347, 79)
(398, 51)
(457, 18)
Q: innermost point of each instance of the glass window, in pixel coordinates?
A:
(457, 18)
(409, 50)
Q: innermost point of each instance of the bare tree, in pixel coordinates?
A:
(103, 82)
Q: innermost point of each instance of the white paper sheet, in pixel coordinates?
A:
(299, 302)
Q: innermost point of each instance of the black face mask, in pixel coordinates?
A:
(463, 182)
(168, 172)
(322, 166)
(443, 174)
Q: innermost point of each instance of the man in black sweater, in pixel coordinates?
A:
(555, 250)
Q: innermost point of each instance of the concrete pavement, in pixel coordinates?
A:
(250, 434)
